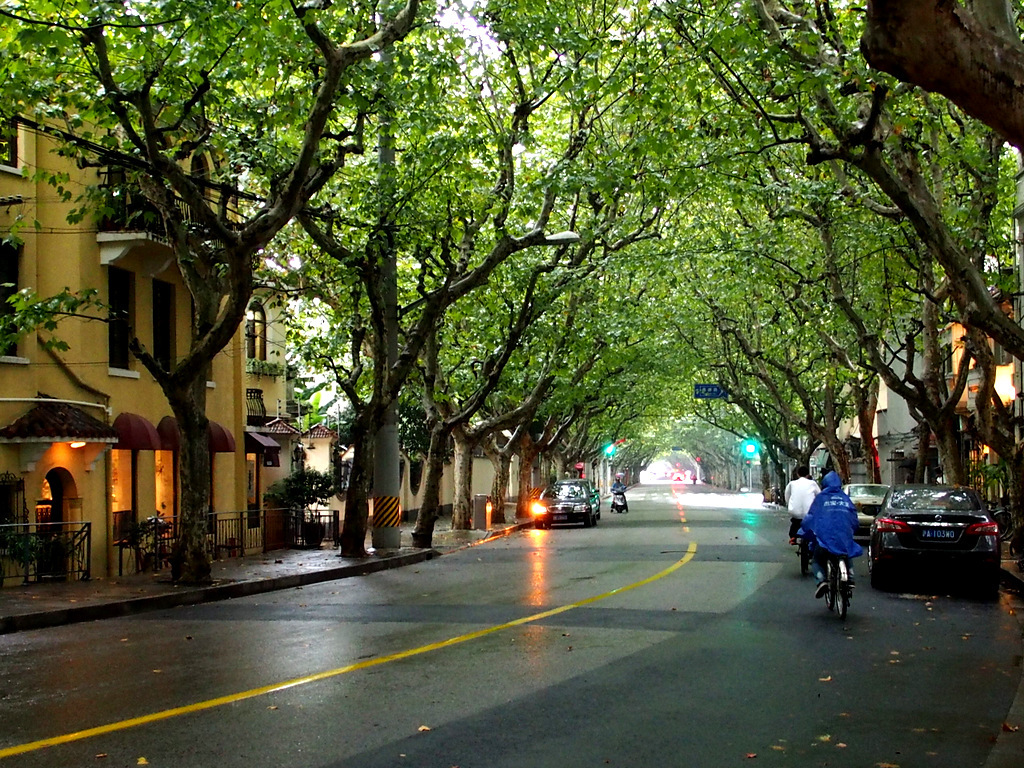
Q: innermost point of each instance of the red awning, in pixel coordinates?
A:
(257, 443)
(262, 444)
(170, 437)
(220, 437)
(136, 433)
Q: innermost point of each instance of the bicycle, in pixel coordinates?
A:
(838, 592)
(1005, 521)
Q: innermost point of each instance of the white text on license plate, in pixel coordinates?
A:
(938, 533)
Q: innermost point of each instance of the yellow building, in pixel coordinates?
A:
(87, 439)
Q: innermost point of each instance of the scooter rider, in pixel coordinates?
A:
(619, 489)
(832, 521)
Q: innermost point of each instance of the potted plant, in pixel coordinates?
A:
(297, 493)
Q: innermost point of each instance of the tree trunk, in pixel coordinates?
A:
(191, 561)
(462, 507)
(527, 455)
(867, 407)
(923, 444)
(501, 462)
(953, 470)
(357, 510)
(430, 506)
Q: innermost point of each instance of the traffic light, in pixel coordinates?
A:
(749, 447)
(609, 450)
(697, 459)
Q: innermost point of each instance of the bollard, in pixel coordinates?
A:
(481, 512)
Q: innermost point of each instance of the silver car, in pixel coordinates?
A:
(867, 498)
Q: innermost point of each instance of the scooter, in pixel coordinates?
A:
(619, 503)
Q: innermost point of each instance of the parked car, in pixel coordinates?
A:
(868, 498)
(567, 501)
(934, 526)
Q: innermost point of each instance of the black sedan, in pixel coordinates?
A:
(934, 527)
(567, 501)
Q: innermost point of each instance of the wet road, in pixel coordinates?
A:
(679, 634)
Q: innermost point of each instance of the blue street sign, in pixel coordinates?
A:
(708, 392)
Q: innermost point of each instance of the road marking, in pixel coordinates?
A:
(232, 698)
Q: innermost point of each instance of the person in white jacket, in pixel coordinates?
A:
(800, 493)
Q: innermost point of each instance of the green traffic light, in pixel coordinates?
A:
(609, 450)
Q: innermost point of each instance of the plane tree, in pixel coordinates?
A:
(261, 92)
(481, 176)
(970, 52)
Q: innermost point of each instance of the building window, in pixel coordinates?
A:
(256, 332)
(163, 324)
(9, 257)
(9, 144)
(120, 299)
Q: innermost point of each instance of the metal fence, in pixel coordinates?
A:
(34, 552)
(149, 544)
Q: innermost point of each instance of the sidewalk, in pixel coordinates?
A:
(36, 606)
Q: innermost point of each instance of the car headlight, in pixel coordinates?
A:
(538, 509)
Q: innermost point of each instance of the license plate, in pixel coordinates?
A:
(560, 517)
(944, 534)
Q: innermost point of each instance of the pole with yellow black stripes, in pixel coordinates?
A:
(386, 505)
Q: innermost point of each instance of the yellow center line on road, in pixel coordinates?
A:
(199, 706)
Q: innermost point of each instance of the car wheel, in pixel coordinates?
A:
(880, 578)
(539, 525)
(588, 521)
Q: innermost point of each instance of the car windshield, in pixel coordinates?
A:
(934, 498)
(565, 491)
(867, 490)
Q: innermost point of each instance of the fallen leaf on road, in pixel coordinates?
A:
(840, 745)
(825, 679)
(158, 671)
(751, 755)
(778, 748)
(825, 738)
(101, 755)
(424, 728)
(188, 637)
(887, 765)
(272, 706)
(142, 761)
(1010, 728)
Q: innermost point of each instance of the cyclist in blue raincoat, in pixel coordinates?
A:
(831, 521)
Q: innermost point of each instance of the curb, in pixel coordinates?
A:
(199, 595)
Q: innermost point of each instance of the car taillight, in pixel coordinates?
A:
(983, 529)
(889, 525)
(538, 509)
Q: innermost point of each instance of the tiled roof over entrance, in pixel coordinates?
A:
(320, 432)
(57, 422)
